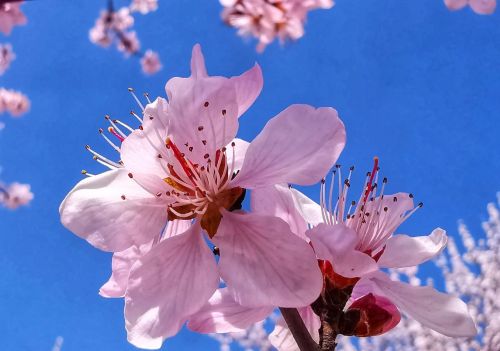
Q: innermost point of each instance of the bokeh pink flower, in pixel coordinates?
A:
(11, 16)
(481, 7)
(150, 62)
(267, 20)
(15, 195)
(13, 102)
(144, 6)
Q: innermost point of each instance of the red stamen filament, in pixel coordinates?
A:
(113, 131)
(179, 156)
(369, 185)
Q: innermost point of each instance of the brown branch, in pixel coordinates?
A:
(298, 329)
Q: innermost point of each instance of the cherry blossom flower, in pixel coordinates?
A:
(150, 62)
(13, 102)
(481, 7)
(144, 6)
(10, 16)
(6, 57)
(269, 19)
(184, 163)
(353, 243)
(15, 195)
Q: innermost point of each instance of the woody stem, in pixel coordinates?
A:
(298, 329)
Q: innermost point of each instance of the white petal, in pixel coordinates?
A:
(95, 211)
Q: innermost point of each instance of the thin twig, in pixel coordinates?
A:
(298, 329)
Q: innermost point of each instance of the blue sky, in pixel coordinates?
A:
(416, 85)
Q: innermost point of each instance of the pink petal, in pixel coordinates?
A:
(96, 211)
(121, 264)
(203, 111)
(222, 314)
(264, 263)
(443, 313)
(123, 261)
(454, 5)
(310, 210)
(483, 7)
(198, 69)
(167, 285)
(248, 87)
(278, 201)
(405, 251)
(281, 337)
(337, 244)
(298, 146)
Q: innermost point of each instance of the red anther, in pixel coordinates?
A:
(113, 131)
(180, 157)
(369, 185)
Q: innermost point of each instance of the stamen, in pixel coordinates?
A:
(123, 125)
(112, 122)
(146, 95)
(113, 145)
(136, 99)
(113, 131)
(369, 185)
(85, 173)
(102, 158)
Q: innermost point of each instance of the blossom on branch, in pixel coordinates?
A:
(184, 163)
(267, 20)
(353, 241)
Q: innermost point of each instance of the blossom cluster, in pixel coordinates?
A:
(182, 176)
(115, 26)
(267, 20)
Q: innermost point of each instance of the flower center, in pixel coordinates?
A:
(373, 217)
(201, 191)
